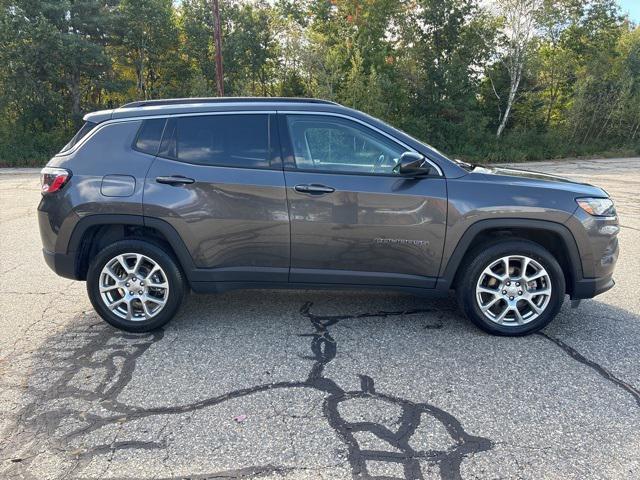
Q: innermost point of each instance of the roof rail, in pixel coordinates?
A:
(190, 101)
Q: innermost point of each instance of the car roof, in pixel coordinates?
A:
(173, 106)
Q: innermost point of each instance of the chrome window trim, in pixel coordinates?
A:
(368, 125)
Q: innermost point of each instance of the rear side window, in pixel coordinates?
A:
(149, 135)
(84, 130)
(219, 140)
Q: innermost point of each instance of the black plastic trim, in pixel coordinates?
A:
(99, 219)
(356, 277)
(239, 274)
(61, 263)
(590, 287)
(447, 277)
(178, 246)
(218, 287)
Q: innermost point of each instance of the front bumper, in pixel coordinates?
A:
(590, 287)
(63, 264)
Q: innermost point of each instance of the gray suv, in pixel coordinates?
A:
(156, 198)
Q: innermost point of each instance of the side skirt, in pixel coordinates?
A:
(218, 287)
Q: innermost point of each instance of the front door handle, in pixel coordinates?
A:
(314, 189)
(175, 180)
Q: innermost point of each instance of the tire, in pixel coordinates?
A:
(486, 273)
(162, 293)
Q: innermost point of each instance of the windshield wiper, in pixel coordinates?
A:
(465, 165)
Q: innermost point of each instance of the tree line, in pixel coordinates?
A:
(507, 80)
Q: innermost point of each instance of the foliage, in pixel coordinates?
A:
(562, 79)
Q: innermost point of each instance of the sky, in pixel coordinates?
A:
(632, 7)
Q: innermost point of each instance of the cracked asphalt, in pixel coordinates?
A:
(309, 384)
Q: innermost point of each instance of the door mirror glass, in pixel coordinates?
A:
(413, 164)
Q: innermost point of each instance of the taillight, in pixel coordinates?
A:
(53, 179)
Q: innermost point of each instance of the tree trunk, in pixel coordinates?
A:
(140, 83)
(217, 37)
(515, 84)
(635, 131)
(76, 97)
(498, 97)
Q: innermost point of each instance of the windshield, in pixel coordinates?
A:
(86, 128)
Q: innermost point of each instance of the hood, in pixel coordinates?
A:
(537, 179)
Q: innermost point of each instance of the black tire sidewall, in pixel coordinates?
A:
(175, 278)
(482, 258)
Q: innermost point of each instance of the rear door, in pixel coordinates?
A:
(353, 220)
(218, 181)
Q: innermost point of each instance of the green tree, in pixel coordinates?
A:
(250, 49)
(445, 45)
(146, 38)
(196, 25)
(58, 43)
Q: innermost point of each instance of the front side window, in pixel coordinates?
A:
(334, 144)
(219, 140)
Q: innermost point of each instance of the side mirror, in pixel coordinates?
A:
(413, 164)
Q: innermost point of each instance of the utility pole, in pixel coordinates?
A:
(217, 36)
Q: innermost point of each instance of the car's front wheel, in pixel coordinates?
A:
(513, 287)
(135, 285)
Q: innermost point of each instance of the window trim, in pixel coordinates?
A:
(288, 167)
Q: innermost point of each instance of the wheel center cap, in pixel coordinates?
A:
(512, 291)
(135, 285)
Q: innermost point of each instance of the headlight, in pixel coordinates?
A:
(599, 207)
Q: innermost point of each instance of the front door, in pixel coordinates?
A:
(353, 220)
(218, 181)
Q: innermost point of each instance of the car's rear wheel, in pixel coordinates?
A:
(513, 287)
(135, 285)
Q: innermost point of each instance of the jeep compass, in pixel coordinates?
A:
(156, 198)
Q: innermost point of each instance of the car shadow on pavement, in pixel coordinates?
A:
(91, 387)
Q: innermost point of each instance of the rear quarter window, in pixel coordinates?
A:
(84, 130)
(149, 136)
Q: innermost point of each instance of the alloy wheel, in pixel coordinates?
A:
(134, 286)
(513, 290)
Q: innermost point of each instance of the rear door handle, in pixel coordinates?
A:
(314, 189)
(175, 180)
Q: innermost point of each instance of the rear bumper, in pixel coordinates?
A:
(590, 287)
(63, 264)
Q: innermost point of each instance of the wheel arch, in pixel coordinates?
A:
(554, 237)
(94, 232)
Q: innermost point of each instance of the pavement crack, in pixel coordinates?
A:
(324, 349)
(596, 367)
